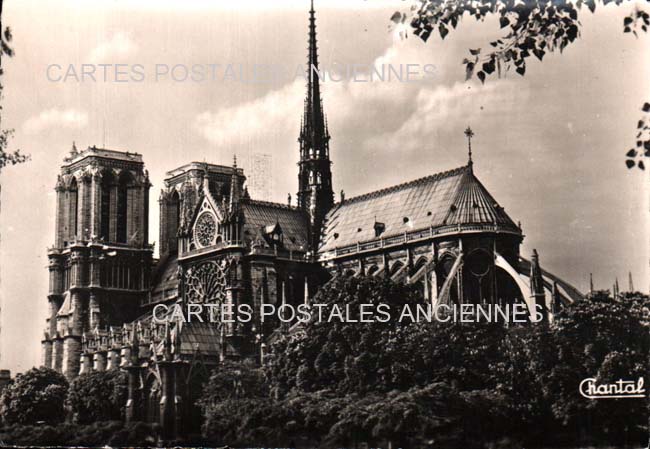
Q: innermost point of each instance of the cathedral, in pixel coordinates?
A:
(444, 233)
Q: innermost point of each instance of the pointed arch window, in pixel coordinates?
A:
(105, 206)
(173, 221)
(72, 210)
(122, 211)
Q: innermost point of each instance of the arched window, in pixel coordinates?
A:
(105, 207)
(396, 267)
(122, 206)
(152, 396)
(173, 221)
(72, 210)
(422, 261)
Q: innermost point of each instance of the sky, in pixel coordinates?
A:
(549, 146)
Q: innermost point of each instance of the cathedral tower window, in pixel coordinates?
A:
(173, 220)
(105, 205)
(123, 202)
(72, 210)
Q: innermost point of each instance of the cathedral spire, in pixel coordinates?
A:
(313, 121)
(315, 194)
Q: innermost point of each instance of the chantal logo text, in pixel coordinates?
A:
(621, 389)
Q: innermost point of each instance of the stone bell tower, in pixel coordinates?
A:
(101, 260)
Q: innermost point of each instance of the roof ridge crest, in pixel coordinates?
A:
(398, 187)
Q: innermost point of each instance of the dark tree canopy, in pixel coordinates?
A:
(344, 356)
(37, 395)
(98, 396)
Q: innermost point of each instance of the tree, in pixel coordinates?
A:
(316, 413)
(411, 418)
(444, 384)
(344, 356)
(236, 408)
(603, 339)
(37, 395)
(531, 28)
(98, 396)
(6, 157)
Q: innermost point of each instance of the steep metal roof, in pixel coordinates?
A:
(259, 215)
(454, 197)
(199, 337)
(165, 284)
(474, 204)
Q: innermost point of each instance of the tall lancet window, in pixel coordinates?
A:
(173, 220)
(72, 210)
(108, 181)
(122, 206)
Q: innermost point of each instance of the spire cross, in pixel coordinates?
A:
(469, 133)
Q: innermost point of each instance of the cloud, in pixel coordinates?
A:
(69, 118)
(454, 106)
(378, 119)
(251, 5)
(117, 47)
(354, 106)
(275, 111)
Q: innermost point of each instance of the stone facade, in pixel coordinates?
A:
(100, 264)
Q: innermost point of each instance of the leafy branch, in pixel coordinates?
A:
(636, 155)
(7, 157)
(531, 28)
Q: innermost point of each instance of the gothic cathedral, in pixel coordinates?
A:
(217, 245)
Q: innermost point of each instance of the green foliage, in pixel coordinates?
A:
(408, 418)
(481, 382)
(531, 28)
(37, 395)
(635, 156)
(343, 356)
(315, 414)
(442, 384)
(98, 396)
(7, 157)
(236, 408)
(604, 339)
(99, 434)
